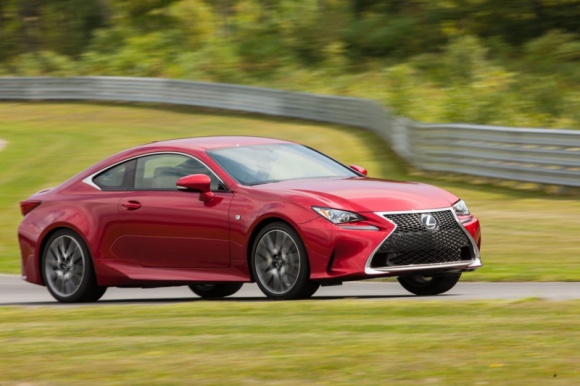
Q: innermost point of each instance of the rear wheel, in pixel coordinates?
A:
(67, 269)
(280, 264)
(429, 285)
(213, 291)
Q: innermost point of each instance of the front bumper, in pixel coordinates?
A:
(337, 253)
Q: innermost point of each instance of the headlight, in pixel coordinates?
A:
(460, 208)
(337, 216)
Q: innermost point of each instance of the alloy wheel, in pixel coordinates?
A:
(277, 262)
(64, 265)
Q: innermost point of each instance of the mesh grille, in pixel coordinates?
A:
(412, 243)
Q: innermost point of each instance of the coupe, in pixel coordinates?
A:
(213, 213)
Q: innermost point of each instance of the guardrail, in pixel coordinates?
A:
(532, 155)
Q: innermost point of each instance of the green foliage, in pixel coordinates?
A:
(555, 52)
(138, 55)
(380, 36)
(43, 63)
(64, 27)
(260, 50)
(218, 62)
(144, 16)
(479, 61)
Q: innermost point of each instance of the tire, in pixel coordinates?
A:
(425, 285)
(67, 269)
(280, 264)
(213, 291)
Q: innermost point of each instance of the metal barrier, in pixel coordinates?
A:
(532, 155)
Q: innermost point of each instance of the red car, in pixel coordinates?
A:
(216, 212)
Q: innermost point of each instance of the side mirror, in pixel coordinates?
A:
(198, 183)
(359, 169)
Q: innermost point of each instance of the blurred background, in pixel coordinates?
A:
(495, 62)
(510, 63)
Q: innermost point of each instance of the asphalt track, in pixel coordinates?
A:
(15, 291)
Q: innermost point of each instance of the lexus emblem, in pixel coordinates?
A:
(429, 221)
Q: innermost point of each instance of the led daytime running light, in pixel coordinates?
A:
(337, 216)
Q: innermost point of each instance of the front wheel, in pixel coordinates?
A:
(214, 291)
(280, 264)
(67, 269)
(429, 285)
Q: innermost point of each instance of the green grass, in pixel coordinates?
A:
(528, 342)
(526, 235)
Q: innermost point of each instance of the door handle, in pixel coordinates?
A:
(131, 205)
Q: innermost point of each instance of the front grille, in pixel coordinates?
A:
(412, 243)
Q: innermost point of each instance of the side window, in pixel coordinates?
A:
(161, 171)
(116, 178)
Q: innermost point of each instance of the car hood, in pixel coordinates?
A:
(366, 194)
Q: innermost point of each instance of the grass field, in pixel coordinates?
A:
(365, 342)
(526, 235)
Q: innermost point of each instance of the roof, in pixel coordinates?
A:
(218, 141)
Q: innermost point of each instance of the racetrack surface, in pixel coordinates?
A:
(15, 291)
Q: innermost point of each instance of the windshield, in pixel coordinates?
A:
(261, 164)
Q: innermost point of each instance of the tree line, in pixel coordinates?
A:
(400, 49)
(364, 28)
